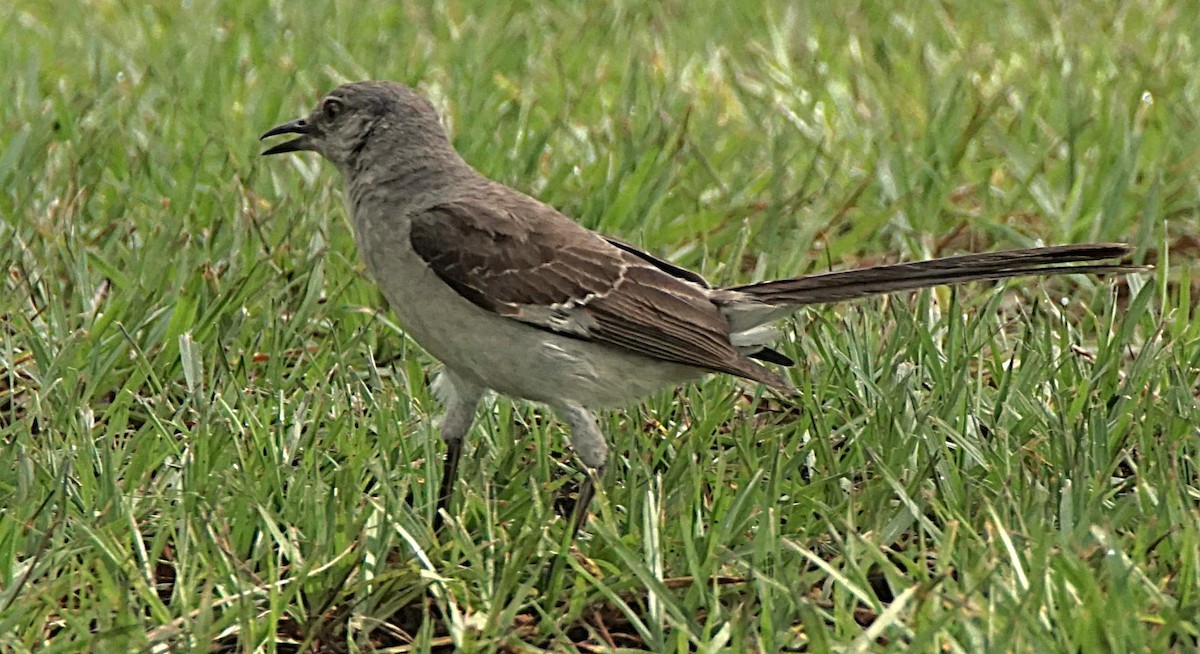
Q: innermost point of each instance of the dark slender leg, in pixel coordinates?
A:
(583, 501)
(460, 397)
(589, 445)
(587, 491)
(449, 476)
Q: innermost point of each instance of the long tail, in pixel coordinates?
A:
(850, 284)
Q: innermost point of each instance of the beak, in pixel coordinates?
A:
(300, 127)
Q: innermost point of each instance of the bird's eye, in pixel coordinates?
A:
(332, 108)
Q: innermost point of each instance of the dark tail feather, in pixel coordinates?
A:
(850, 284)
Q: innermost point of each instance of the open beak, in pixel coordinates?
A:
(300, 127)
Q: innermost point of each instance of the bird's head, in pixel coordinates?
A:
(363, 120)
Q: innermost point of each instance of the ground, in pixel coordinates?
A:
(214, 438)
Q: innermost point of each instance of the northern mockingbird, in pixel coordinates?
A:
(512, 296)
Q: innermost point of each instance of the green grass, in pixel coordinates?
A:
(210, 432)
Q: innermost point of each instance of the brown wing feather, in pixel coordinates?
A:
(518, 258)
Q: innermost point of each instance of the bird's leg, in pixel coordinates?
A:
(461, 398)
(592, 450)
(449, 475)
(587, 490)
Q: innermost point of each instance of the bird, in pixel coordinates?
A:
(512, 296)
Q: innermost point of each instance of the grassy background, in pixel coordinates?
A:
(210, 433)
